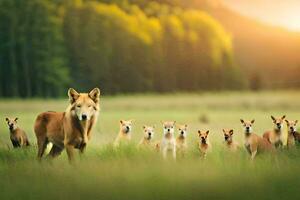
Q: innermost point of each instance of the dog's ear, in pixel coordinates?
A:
(287, 122)
(73, 95)
(231, 131)
(121, 121)
(94, 94)
(273, 118)
(207, 132)
(252, 121)
(144, 126)
(283, 117)
(199, 132)
(296, 121)
(242, 121)
(223, 130)
(6, 119)
(186, 125)
(16, 119)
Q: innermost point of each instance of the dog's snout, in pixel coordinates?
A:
(84, 117)
(248, 128)
(278, 124)
(127, 127)
(149, 133)
(182, 132)
(168, 130)
(226, 137)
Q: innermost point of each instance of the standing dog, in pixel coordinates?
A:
(275, 136)
(181, 143)
(229, 143)
(204, 145)
(253, 143)
(146, 141)
(168, 142)
(70, 129)
(124, 134)
(18, 137)
(292, 132)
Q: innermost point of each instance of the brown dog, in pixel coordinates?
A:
(229, 143)
(253, 143)
(181, 143)
(146, 141)
(70, 129)
(292, 132)
(275, 136)
(18, 137)
(124, 134)
(204, 145)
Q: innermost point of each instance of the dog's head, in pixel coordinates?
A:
(182, 129)
(148, 132)
(203, 136)
(228, 134)
(12, 123)
(291, 125)
(84, 105)
(278, 122)
(169, 127)
(126, 126)
(247, 125)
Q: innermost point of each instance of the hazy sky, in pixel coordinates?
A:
(285, 13)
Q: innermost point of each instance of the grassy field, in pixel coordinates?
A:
(128, 173)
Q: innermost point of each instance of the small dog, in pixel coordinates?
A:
(124, 132)
(292, 132)
(146, 141)
(253, 143)
(18, 137)
(204, 145)
(229, 143)
(275, 136)
(181, 143)
(168, 142)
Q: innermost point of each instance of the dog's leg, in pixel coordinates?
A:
(174, 152)
(42, 145)
(55, 151)
(70, 152)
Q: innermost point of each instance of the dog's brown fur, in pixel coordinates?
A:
(292, 132)
(181, 143)
(229, 143)
(18, 137)
(275, 136)
(70, 129)
(253, 143)
(204, 145)
(146, 141)
(124, 134)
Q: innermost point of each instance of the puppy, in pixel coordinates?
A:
(204, 145)
(253, 143)
(124, 134)
(168, 142)
(18, 137)
(275, 136)
(146, 141)
(229, 143)
(292, 132)
(181, 144)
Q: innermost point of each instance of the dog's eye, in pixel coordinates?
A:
(78, 106)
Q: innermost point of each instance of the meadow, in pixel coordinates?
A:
(130, 173)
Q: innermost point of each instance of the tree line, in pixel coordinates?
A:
(47, 46)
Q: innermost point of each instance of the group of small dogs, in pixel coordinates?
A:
(72, 130)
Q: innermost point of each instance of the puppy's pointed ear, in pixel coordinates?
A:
(273, 118)
(6, 119)
(296, 121)
(73, 95)
(207, 132)
(121, 121)
(94, 94)
(199, 132)
(287, 122)
(16, 119)
(186, 125)
(231, 131)
(223, 130)
(283, 117)
(252, 121)
(144, 126)
(242, 121)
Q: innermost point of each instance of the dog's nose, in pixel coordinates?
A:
(168, 130)
(182, 132)
(247, 128)
(278, 124)
(149, 133)
(127, 127)
(226, 137)
(84, 117)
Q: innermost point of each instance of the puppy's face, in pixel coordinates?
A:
(182, 129)
(291, 125)
(247, 125)
(125, 126)
(203, 136)
(169, 127)
(228, 134)
(12, 123)
(278, 122)
(148, 132)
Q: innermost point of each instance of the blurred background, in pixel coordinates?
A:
(135, 46)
